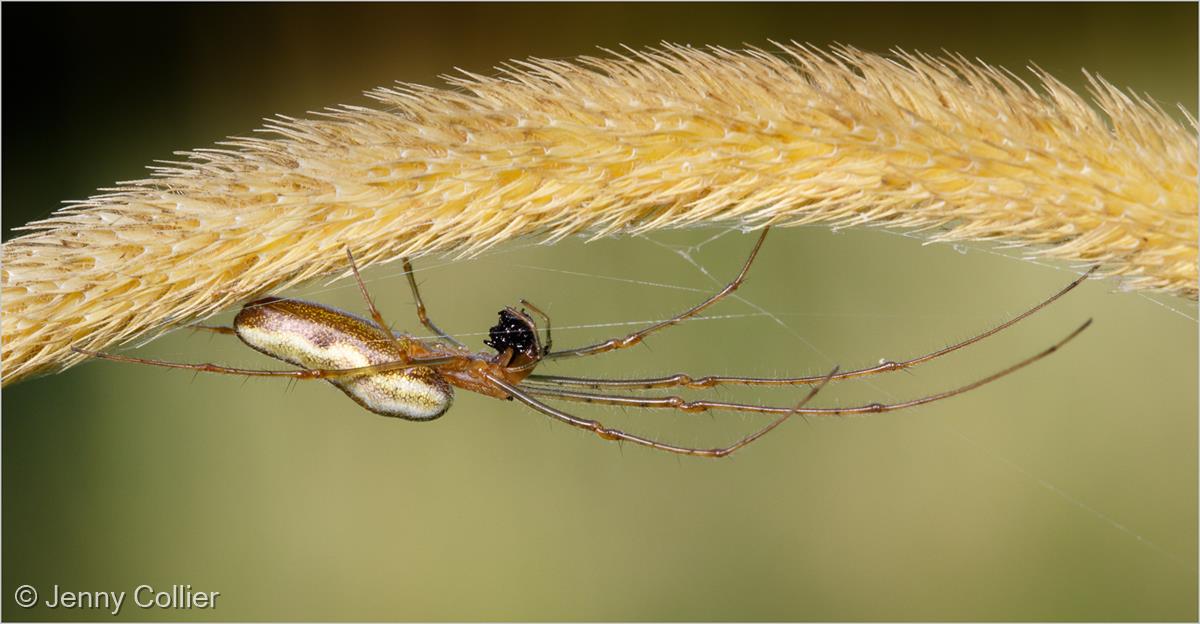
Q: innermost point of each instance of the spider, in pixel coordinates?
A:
(399, 375)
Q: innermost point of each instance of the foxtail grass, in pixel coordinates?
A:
(633, 142)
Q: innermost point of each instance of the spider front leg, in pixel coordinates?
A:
(421, 315)
(638, 336)
(615, 434)
(885, 366)
(678, 403)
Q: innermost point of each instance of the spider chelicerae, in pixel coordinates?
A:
(396, 374)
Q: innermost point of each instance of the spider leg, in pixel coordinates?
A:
(616, 434)
(779, 421)
(708, 381)
(362, 288)
(636, 337)
(412, 284)
(546, 318)
(214, 329)
(675, 402)
(304, 373)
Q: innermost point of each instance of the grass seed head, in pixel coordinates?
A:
(630, 142)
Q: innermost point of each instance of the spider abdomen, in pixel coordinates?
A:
(318, 337)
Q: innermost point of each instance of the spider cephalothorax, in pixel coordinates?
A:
(517, 332)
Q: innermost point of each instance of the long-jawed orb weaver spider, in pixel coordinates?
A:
(396, 374)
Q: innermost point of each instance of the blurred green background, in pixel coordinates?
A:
(1068, 491)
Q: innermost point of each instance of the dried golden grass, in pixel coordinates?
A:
(638, 141)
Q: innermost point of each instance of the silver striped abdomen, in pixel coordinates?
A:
(317, 337)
